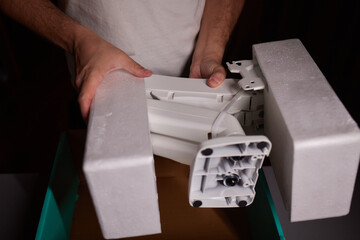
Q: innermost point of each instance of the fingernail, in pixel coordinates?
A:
(213, 82)
(146, 71)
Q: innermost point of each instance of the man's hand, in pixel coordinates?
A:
(94, 58)
(209, 69)
(217, 23)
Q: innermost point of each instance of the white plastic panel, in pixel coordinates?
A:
(118, 151)
(316, 143)
(190, 123)
(190, 91)
(225, 171)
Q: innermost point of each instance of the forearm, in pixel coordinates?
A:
(46, 19)
(94, 57)
(218, 21)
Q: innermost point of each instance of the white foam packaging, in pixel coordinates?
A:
(118, 162)
(316, 143)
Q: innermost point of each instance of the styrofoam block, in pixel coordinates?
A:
(316, 143)
(118, 163)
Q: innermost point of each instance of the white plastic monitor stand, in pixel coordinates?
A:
(202, 127)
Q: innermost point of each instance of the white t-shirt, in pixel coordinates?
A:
(158, 34)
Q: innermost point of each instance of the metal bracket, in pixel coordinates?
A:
(250, 80)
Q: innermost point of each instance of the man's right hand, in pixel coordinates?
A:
(94, 58)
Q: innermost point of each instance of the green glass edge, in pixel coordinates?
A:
(272, 206)
(41, 225)
(49, 194)
(40, 228)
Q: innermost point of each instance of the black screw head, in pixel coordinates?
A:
(231, 180)
(197, 203)
(207, 152)
(242, 203)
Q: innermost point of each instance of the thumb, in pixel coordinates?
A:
(136, 69)
(217, 77)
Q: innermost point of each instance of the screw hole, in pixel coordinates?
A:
(231, 181)
(262, 145)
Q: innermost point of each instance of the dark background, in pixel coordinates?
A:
(37, 101)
